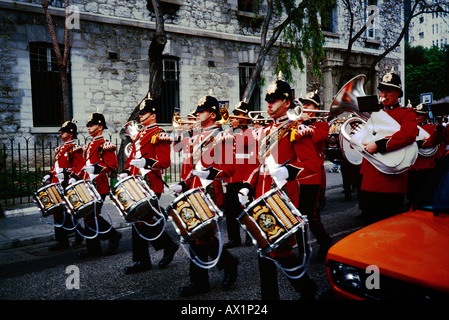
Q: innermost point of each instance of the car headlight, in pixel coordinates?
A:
(345, 275)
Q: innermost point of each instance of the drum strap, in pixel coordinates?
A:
(271, 140)
(199, 149)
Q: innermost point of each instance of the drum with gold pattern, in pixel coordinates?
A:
(271, 219)
(49, 199)
(193, 213)
(82, 198)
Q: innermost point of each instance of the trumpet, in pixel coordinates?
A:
(179, 120)
(325, 113)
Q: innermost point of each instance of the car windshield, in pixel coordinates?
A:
(434, 195)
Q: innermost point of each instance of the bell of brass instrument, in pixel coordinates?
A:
(130, 130)
(346, 98)
(295, 113)
(224, 112)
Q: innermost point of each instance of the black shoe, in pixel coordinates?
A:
(231, 274)
(232, 244)
(193, 289)
(59, 246)
(169, 253)
(113, 243)
(138, 267)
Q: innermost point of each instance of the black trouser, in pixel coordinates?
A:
(208, 248)
(140, 244)
(308, 199)
(232, 210)
(415, 181)
(269, 279)
(64, 222)
(94, 245)
(376, 206)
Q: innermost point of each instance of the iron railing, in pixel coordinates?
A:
(25, 161)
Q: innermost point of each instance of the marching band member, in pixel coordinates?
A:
(100, 159)
(424, 164)
(310, 194)
(150, 154)
(68, 160)
(382, 195)
(293, 143)
(212, 160)
(246, 162)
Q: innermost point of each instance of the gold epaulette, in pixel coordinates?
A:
(300, 131)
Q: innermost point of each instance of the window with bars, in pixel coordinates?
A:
(170, 89)
(46, 87)
(245, 71)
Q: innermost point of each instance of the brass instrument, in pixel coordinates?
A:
(178, 121)
(129, 131)
(224, 116)
(362, 128)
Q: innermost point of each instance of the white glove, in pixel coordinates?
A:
(46, 178)
(175, 188)
(122, 176)
(279, 173)
(60, 176)
(72, 181)
(139, 163)
(202, 174)
(243, 196)
(89, 169)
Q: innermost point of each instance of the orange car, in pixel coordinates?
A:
(402, 257)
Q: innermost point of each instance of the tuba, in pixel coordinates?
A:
(346, 101)
(362, 128)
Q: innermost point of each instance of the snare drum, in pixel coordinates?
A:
(49, 199)
(82, 198)
(271, 219)
(132, 197)
(193, 213)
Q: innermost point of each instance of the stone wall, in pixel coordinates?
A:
(115, 86)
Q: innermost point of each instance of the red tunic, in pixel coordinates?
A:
(212, 148)
(376, 181)
(245, 154)
(423, 162)
(67, 156)
(151, 143)
(101, 152)
(296, 147)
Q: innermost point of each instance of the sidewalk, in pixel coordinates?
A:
(25, 226)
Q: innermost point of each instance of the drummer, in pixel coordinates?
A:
(68, 160)
(310, 193)
(150, 154)
(292, 144)
(246, 162)
(212, 159)
(100, 159)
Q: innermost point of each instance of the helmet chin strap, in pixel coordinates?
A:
(280, 106)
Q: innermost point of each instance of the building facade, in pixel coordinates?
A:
(212, 46)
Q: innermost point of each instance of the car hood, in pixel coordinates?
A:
(413, 247)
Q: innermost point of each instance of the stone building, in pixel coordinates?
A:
(212, 45)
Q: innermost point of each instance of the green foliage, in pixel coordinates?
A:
(303, 36)
(427, 70)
